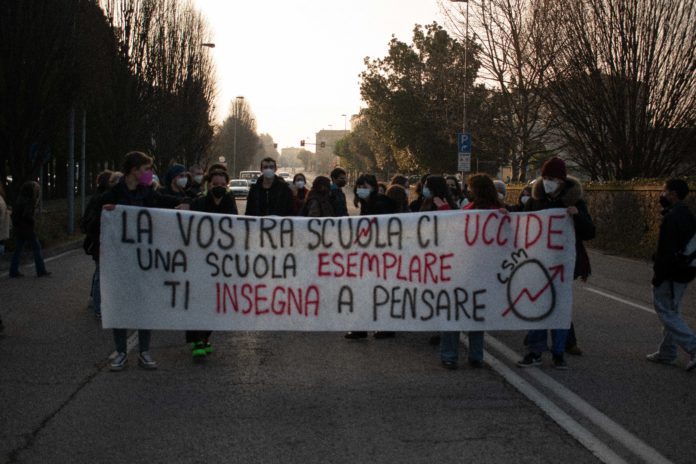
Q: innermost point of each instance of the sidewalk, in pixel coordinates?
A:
(28, 258)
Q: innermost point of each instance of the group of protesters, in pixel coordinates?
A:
(272, 195)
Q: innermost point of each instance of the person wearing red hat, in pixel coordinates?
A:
(556, 189)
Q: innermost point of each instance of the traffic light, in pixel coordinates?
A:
(302, 143)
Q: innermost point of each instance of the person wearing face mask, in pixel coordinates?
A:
(336, 196)
(134, 188)
(522, 200)
(196, 186)
(436, 195)
(671, 276)
(483, 196)
(556, 189)
(220, 201)
(299, 193)
(176, 181)
(501, 189)
(371, 203)
(415, 205)
(456, 191)
(270, 195)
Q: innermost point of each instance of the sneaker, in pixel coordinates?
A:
(44, 274)
(559, 363)
(384, 334)
(198, 350)
(145, 361)
(451, 365)
(691, 365)
(355, 335)
(208, 348)
(530, 360)
(119, 362)
(657, 358)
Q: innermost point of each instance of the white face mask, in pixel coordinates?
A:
(427, 193)
(550, 186)
(363, 193)
(501, 197)
(181, 182)
(299, 184)
(268, 173)
(198, 179)
(524, 199)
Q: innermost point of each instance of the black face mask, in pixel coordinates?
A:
(219, 191)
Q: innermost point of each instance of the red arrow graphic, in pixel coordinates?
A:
(557, 270)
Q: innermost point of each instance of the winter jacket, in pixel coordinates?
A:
(278, 199)
(5, 220)
(571, 195)
(206, 203)
(23, 219)
(676, 229)
(338, 201)
(319, 206)
(377, 203)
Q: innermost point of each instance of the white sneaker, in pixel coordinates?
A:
(691, 365)
(657, 358)
(119, 362)
(145, 361)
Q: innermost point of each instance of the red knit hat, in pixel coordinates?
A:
(554, 167)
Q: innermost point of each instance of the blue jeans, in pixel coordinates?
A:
(667, 301)
(449, 346)
(96, 292)
(538, 341)
(38, 257)
(121, 340)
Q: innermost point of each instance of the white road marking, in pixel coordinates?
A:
(620, 300)
(601, 420)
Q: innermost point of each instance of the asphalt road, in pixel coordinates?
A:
(316, 397)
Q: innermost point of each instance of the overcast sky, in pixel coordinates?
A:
(297, 62)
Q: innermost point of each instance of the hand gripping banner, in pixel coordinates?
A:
(453, 270)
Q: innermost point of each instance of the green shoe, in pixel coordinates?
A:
(208, 348)
(198, 349)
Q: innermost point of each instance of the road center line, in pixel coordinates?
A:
(598, 418)
(620, 300)
(567, 423)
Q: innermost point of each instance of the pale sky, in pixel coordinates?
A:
(297, 62)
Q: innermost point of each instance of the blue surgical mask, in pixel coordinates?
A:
(427, 193)
(268, 173)
(363, 193)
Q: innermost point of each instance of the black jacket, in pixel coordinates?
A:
(206, 203)
(23, 219)
(676, 229)
(278, 199)
(571, 195)
(338, 201)
(377, 203)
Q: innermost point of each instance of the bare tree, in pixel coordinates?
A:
(623, 85)
(509, 34)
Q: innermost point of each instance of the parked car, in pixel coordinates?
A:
(239, 187)
(286, 176)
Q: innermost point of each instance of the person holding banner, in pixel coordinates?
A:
(135, 189)
(371, 203)
(555, 189)
(220, 201)
(318, 203)
(484, 196)
(270, 195)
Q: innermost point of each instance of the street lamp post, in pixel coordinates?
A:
(466, 58)
(344, 122)
(234, 153)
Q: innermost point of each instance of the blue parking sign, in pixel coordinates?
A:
(464, 142)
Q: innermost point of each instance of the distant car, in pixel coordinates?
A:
(286, 176)
(239, 187)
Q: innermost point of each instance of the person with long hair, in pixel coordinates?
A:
(371, 203)
(484, 196)
(299, 193)
(318, 203)
(24, 224)
(436, 195)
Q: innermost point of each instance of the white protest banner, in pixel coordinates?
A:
(452, 270)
